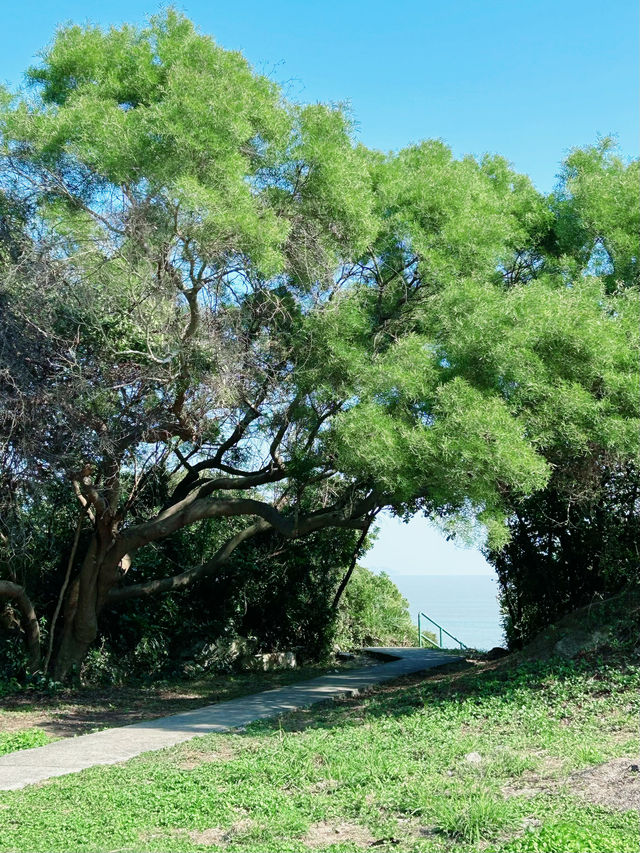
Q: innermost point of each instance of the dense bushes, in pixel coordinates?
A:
(372, 612)
(279, 604)
(274, 595)
(566, 552)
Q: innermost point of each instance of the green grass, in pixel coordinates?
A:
(389, 770)
(12, 741)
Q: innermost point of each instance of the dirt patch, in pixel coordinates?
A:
(324, 786)
(216, 835)
(525, 791)
(323, 834)
(532, 783)
(615, 784)
(411, 828)
(192, 758)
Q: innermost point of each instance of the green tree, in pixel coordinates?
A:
(576, 539)
(223, 286)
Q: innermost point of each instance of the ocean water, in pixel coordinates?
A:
(466, 605)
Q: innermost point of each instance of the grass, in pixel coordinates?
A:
(475, 759)
(26, 739)
(71, 711)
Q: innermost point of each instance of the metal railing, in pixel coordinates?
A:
(422, 637)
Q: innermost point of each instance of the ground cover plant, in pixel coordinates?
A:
(487, 757)
(10, 741)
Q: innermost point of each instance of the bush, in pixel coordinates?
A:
(273, 595)
(566, 553)
(372, 612)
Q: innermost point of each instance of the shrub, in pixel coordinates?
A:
(372, 612)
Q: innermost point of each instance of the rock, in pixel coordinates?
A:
(473, 758)
(496, 653)
(271, 660)
(580, 641)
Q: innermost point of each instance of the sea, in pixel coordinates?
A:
(465, 605)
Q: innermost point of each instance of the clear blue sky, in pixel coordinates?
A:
(528, 79)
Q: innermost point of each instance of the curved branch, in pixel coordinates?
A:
(184, 579)
(239, 483)
(14, 592)
(356, 516)
(194, 508)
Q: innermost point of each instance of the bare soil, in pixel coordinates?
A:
(615, 784)
(321, 835)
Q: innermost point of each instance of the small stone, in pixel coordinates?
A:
(473, 757)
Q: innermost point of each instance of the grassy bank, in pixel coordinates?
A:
(491, 757)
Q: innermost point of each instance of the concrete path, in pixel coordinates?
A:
(18, 769)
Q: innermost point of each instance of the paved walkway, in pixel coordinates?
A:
(18, 769)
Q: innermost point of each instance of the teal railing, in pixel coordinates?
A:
(423, 637)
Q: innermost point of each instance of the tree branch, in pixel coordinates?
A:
(184, 579)
(15, 592)
(354, 559)
(193, 508)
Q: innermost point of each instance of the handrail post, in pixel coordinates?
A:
(423, 616)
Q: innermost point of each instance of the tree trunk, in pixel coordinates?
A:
(14, 592)
(85, 599)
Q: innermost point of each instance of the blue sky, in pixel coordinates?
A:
(528, 79)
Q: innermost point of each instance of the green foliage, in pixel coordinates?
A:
(597, 211)
(390, 765)
(27, 739)
(575, 540)
(470, 820)
(275, 595)
(211, 280)
(566, 553)
(598, 833)
(372, 612)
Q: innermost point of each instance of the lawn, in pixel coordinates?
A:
(486, 758)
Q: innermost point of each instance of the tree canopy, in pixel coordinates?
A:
(202, 278)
